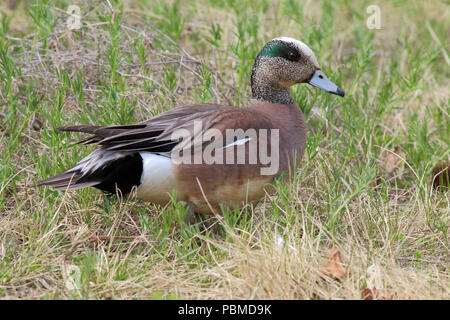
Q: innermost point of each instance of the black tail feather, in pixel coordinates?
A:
(122, 173)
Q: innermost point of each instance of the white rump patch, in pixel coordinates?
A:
(157, 180)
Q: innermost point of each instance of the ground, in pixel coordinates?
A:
(364, 188)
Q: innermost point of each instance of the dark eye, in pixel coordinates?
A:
(293, 56)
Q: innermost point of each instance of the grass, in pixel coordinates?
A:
(364, 185)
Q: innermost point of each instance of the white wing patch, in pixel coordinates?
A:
(237, 142)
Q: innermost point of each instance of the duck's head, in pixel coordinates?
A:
(283, 62)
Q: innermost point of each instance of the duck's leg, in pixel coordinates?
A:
(190, 213)
(190, 217)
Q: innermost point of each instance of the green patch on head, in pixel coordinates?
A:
(277, 48)
(273, 49)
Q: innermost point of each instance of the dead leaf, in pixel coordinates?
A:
(333, 268)
(441, 175)
(369, 294)
(372, 294)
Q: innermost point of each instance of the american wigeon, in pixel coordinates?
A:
(149, 158)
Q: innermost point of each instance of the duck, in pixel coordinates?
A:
(208, 155)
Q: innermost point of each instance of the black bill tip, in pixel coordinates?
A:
(320, 81)
(339, 92)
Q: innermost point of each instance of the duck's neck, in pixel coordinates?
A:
(265, 86)
(271, 94)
